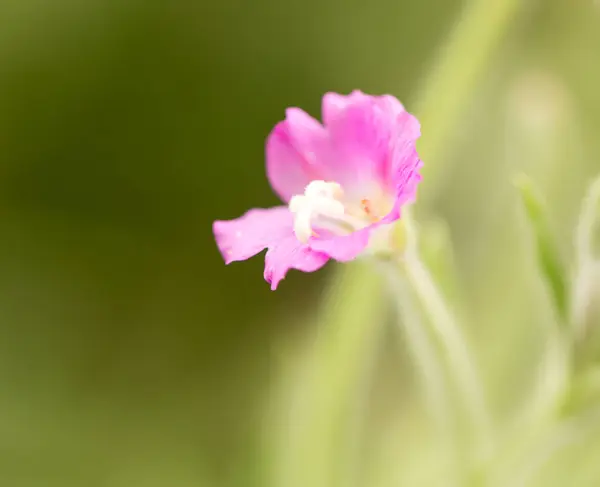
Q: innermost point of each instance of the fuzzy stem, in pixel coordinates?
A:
(426, 361)
(444, 325)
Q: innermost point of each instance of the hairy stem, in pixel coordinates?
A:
(427, 363)
(445, 327)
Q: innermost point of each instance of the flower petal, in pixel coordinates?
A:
(254, 231)
(361, 136)
(381, 136)
(296, 153)
(271, 228)
(355, 148)
(333, 104)
(389, 104)
(374, 146)
(290, 253)
(342, 248)
(402, 171)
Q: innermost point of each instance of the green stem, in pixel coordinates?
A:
(426, 361)
(445, 327)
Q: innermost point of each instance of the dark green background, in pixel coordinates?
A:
(129, 354)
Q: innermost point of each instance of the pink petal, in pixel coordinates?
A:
(361, 136)
(406, 180)
(357, 147)
(343, 248)
(374, 145)
(334, 104)
(296, 152)
(402, 171)
(407, 130)
(389, 104)
(271, 228)
(287, 254)
(388, 141)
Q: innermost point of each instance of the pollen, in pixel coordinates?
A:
(365, 204)
(367, 207)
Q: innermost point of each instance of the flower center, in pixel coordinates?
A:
(323, 205)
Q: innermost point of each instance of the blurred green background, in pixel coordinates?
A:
(130, 356)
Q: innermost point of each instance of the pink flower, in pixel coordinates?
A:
(344, 183)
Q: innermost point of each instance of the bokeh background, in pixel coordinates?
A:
(130, 356)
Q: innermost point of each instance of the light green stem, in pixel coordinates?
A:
(428, 365)
(445, 327)
(422, 350)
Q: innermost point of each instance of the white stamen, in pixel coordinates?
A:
(320, 198)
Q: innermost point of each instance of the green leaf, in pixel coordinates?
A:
(549, 260)
(437, 252)
(588, 228)
(584, 303)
